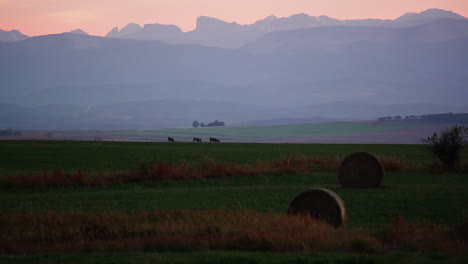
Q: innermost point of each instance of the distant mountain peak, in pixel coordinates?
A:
(79, 31)
(430, 14)
(209, 19)
(131, 28)
(113, 33)
(441, 12)
(205, 23)
(160, 27)
(300, 15)
(270, 18)
(12, 36)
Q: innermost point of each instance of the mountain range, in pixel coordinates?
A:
(214, 32)
(353, 69)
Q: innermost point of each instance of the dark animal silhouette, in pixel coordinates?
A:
(212, 139)
(195, 139)
(170, 139)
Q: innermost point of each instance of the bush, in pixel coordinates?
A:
(448, 146)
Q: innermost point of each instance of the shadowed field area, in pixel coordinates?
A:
(216, 257)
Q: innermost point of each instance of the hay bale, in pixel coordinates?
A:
(361, 170)
(322, 204)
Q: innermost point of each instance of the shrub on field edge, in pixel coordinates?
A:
(448, 146)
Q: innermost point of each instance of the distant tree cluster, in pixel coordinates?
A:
(388, 118)
(9, 132)
(215, 123)
(448, 117)
(412, 117)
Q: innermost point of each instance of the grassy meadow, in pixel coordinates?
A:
(163, 219)
(39, 156)
(262, 133)
(275, 131)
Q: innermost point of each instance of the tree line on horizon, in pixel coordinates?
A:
(445, 117)
(215, 123)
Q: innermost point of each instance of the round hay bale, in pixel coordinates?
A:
(320, 203)
(361, 170)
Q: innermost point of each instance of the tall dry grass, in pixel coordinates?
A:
(394, 164)
(159, 171)
(207, 169)
(174, 230)
(213, 230)
(424, 236)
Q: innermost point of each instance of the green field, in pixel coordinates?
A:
(262, 133)
(416, 195)
(278, 131)
(40, 156)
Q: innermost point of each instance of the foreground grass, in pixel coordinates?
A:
(180, 230)
(414, 195)
(227, 257)
(202, 230)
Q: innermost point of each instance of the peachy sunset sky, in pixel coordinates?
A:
(97, 17)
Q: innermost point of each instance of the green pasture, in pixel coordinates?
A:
(94, 157)
(270, 132)
(415, 196)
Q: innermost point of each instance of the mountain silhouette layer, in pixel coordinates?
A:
(214, 32)
(77, 81)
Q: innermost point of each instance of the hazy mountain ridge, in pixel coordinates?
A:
(154, 114)
(12, 36)
(287, 121)
(214, 32)
(79, 31)
(132, 115)
(321, 63)
(76, 81)
(430, 14)
(340, 39)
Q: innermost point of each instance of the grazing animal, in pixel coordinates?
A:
(195, 139)
(170, 139)
(212, 139)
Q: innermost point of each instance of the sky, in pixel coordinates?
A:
(98, 17)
